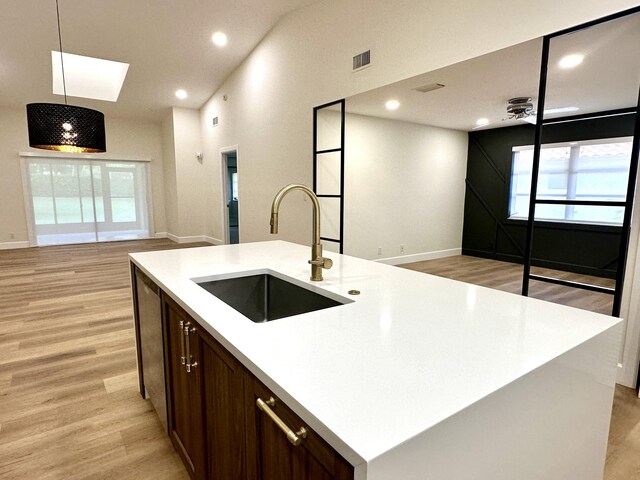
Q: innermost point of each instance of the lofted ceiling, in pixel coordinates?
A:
(166, 42)
(608, 78)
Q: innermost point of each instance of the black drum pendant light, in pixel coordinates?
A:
(65, 128)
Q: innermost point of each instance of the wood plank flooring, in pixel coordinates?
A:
(508, 277)
(623, 452)
(69, 405)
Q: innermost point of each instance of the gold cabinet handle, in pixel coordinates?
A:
(188, 330)
(293, 437)
(183, 359)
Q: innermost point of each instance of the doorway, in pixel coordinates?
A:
(85, 200)
(230, 174)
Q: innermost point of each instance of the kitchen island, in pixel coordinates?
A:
(417, 376)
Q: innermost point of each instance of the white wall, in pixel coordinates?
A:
(306, 61)
(189, 173)
(170, 174)
(404, 184)
(13, 139)
(125, 139)
(630, 311)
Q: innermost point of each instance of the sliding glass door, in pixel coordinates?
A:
(76, 201)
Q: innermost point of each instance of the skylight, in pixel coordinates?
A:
(88, 77)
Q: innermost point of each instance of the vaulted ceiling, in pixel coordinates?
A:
(166, 42)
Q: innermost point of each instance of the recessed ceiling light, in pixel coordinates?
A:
(219, 38)
(88, 77)
(181, 94)
(570, 61)
(392, 104)
(482, 121)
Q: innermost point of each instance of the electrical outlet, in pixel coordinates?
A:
(379, 250)
(12, 236)
(402, 248)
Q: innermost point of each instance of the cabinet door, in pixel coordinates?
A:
(272, 456)
(183, 383)
(223, 388)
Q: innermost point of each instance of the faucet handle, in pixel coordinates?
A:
(323, 262)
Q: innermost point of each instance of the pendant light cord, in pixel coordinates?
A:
(64, 83)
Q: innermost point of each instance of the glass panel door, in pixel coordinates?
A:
(123, 199)
(60, 210)
(76, 201)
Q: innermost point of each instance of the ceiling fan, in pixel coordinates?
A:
(521, 108)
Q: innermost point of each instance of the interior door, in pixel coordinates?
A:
(233, 224)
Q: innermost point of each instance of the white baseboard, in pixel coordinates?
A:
(191, 239)
(420, 257)
(170, 236)
(626, 376)
(212, 240)
(12, 245)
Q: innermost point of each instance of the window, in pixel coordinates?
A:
(234, 186)
(75, 201)
(587, 170)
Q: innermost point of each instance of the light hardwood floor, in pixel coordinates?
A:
(69, 405)
(508, 277)
(623, 453)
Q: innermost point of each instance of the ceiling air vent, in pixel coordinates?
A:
(429, 88)
(362, 60)
(215, 121)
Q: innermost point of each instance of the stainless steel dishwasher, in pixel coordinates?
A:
(151, 344)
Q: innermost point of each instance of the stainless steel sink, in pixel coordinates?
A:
(264, 297)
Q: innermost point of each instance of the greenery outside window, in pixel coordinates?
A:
(76, 201)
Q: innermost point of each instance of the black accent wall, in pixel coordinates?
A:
(589, 249)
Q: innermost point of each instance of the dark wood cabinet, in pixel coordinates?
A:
(271, 454)
(223, 398)
(206, 399)
(184, 389)
(214, 421)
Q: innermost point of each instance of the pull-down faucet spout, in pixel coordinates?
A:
(318, 262)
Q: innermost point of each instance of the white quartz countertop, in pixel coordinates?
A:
(410, 351)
